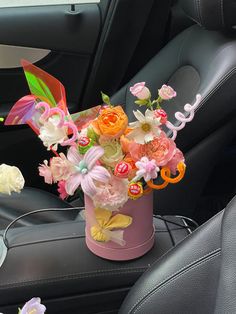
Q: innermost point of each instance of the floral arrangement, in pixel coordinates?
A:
(110, 158)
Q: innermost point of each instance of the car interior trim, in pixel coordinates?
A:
(10, 56)
(26, 3)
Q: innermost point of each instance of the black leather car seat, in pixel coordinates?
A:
(202, 59)
(198, 276)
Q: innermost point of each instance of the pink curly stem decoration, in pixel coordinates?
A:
(57, 111)
(48, 112)
(46, 108)
(73, 127)
(181, 117)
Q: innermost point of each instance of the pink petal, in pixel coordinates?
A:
(73, 155)
(92, 156)
(100, 174)
(140, 164)
(73, 183)
(147, 177)
(88, 186)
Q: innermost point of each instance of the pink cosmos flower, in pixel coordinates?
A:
(86, 170)
(140, 91)
(166, 92)
(62, 190)
(161, 149)
(45, 171)
(33, 306)
(177, 158)
(147, 169)
(61, 168)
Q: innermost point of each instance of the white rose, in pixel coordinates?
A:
(11, 179)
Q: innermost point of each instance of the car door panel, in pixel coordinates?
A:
(71, 37)
(52, 27)
(10, 56)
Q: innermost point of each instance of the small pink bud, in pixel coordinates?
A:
(160, 113)
(167, 92)
(140, 91)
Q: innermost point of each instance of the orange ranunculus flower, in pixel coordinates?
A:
(112, 122)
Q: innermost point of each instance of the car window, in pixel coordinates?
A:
(24, 3)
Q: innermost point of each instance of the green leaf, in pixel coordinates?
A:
(106, 99)
(141, 102)
(91, 134)
(39, 88)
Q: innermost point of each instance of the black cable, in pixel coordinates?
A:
(174, 223)
(81, 208)
(32, 213)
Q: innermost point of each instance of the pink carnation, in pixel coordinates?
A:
(45, 171)
(177, 158)
(61, 168)
(167, 92)
(62, 190)
(140, 91)
(111, 195)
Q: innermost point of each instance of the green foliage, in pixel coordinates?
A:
(106, 99)
(141, 102)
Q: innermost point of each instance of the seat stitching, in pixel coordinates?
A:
(196, 230)
(217, 87)
(209, 258)
(176, 273)
(97, 273)
(200, 12)
(222, 12)
(197, 11)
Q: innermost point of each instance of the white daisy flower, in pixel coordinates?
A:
(146, 128)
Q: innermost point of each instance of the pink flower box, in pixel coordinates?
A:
(139, 236)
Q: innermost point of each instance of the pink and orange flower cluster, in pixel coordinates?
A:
(110, 159)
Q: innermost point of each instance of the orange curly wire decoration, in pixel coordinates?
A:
(166, 176)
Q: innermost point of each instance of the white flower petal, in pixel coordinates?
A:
(157, 121)
(149, 114)
(135, 124)
(156, 131)
(148, 137)
(139, 116)
(139, 137)
(133, 133)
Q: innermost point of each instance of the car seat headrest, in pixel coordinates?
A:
(211, 14)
